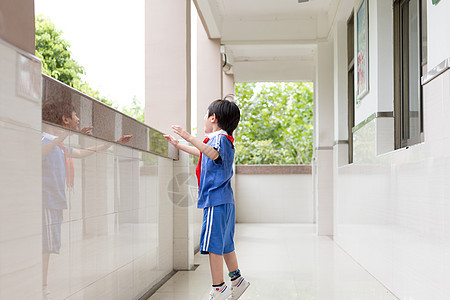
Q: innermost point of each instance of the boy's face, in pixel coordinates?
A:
(72, 122)
(209, 121)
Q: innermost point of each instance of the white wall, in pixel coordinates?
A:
(187, 217)
(391, 210)
(117, 231)
(209, 77)
(167, 64)
(393, 215)
(438, 38)
(324, 137)
(380, 95)
(20, 175)
(277, 198)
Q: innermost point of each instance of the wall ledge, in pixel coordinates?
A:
(436, 71)
(273, 169)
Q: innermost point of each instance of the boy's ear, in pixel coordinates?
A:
(65, 120)
(213, 118)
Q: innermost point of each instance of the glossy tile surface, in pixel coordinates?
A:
(184, 196)
(20, 175)
(116, 229)
(392, 212)
(108, 123)
(301, 264)
(255, 194)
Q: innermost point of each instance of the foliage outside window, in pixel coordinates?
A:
(276, 124)
(57, 62)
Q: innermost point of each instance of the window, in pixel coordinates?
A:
(350, 85)
(409, 65)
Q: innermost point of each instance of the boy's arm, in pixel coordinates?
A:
(185, 148)
(52, 144)
(82, 153)
(203, 148)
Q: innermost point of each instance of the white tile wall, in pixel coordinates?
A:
(20, 191)
(125, 280)
(274, 198)
(165, 218)
(19, 73)
(384, 135)
(60, 266)
(324, 192)
(20, 176)
(145, 273)
(116, 236)
(117, 242)
(186, 216)
(392, 209)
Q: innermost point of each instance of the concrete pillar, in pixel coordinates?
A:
(341, 136)
(209, 70)
(324, 138)
(227, 84)
(340, 91)
(183, 213)
(168, 64)
(17, 23)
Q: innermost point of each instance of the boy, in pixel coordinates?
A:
(215, 197)
(58, 174)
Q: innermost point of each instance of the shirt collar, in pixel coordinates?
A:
(215, 133)
(49, 136)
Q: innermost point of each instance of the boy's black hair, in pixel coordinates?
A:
(53, 112)
(227, 113)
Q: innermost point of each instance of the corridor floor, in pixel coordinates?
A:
(283, 261)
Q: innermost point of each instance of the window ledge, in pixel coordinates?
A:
(273, 169)
(436, 71)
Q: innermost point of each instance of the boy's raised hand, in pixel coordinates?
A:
(87, 130)
(124, 139)
(181, 132)
(171, 140)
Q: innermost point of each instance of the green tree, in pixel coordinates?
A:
(135, 110)
(276, 123)
(57, 62)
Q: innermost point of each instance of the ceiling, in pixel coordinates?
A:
(269, 40)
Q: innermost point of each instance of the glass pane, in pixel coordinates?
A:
(424, 37)
(414, 72)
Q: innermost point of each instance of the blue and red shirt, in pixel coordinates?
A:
(54, 175)
(215, 175)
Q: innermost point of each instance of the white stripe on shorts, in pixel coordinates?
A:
(48, 224)
(208, 228)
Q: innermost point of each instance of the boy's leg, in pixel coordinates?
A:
(216, 264)
(231, 261)
(45, 260)
(238, 283)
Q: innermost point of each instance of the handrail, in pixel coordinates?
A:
(109, 124)
(273, 169)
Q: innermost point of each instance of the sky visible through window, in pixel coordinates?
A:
(107, 39)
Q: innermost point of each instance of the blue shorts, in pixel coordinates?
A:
(218, 229)
(51, 230)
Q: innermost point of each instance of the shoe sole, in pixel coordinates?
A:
(243, 291)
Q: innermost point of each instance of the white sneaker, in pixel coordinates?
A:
(238, 289)
(220, 293)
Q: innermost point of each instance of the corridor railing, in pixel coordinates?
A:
(107, 197)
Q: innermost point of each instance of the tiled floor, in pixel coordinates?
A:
(284, 261)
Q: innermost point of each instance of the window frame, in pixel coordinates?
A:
(401, 72)
(351, 82)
